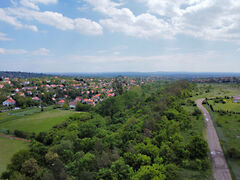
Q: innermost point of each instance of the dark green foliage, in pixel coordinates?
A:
(136, 135)
(198, 148)
(233, 153)
(21, 134)
(82, 107)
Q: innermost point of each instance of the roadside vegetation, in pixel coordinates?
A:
(226, 117)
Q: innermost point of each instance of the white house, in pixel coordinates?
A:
(9, 102)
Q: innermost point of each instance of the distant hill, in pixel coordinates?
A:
(174, 75)
(12, 74)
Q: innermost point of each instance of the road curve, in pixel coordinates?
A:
(220, 167)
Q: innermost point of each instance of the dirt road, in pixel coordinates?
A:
(220, 167)
(14, 138)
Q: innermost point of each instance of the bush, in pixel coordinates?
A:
(20, 134)
(233, 153)
(196, 112)
(198, 148)
(82, 107)
(66, 107)
(4, 131)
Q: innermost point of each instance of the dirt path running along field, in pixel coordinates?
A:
(14, 138)
(220, 167)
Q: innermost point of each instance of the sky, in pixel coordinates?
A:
(120, 35)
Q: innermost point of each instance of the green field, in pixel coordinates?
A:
(208, 90)
(229, 106)
(228, 129)
(7, 149)
(32, 120)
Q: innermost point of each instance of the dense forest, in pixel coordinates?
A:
(136, 135)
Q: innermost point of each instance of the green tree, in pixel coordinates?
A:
(198, 148)
(30, 167)
(155, 172)
(121, 170)
(18, 159)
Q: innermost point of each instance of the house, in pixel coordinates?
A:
(26, 83)
(73, 104)
(78, 99)
(111, 94)
(9, 102)
(236, 99)
(96, 97)
(36, 98)
(29, 93)
(61, 102)
(21, 94)
(88, 101)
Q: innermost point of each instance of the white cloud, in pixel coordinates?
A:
(5, 17)
(41, 52)
(116, 53)
(46, 1)
(32, 3)
(205, 19)
(86, 26)
(206, 61)
(123, 20)
(29, 4)
(38, 52)
(3, 37)
(55, 19)
(12, 51)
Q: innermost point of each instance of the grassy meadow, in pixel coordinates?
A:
(27, 120)
(215, 90)
(228, 106)
(32, 120)
(7, 149)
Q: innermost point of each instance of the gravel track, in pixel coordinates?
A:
(220, 167)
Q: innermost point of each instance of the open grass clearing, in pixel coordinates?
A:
(208, 90)
(8, 147)
(228, 106)
(36, 122)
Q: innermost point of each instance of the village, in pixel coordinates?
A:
(41, 92)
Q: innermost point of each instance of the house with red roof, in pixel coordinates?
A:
(88, 101)
(9, 102)
(78, 99)
(36, 98)
(61, 102)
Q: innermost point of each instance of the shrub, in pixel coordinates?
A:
(82, 107)
(20, 134)
(233, 153)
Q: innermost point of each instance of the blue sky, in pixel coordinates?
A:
(120, 35)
